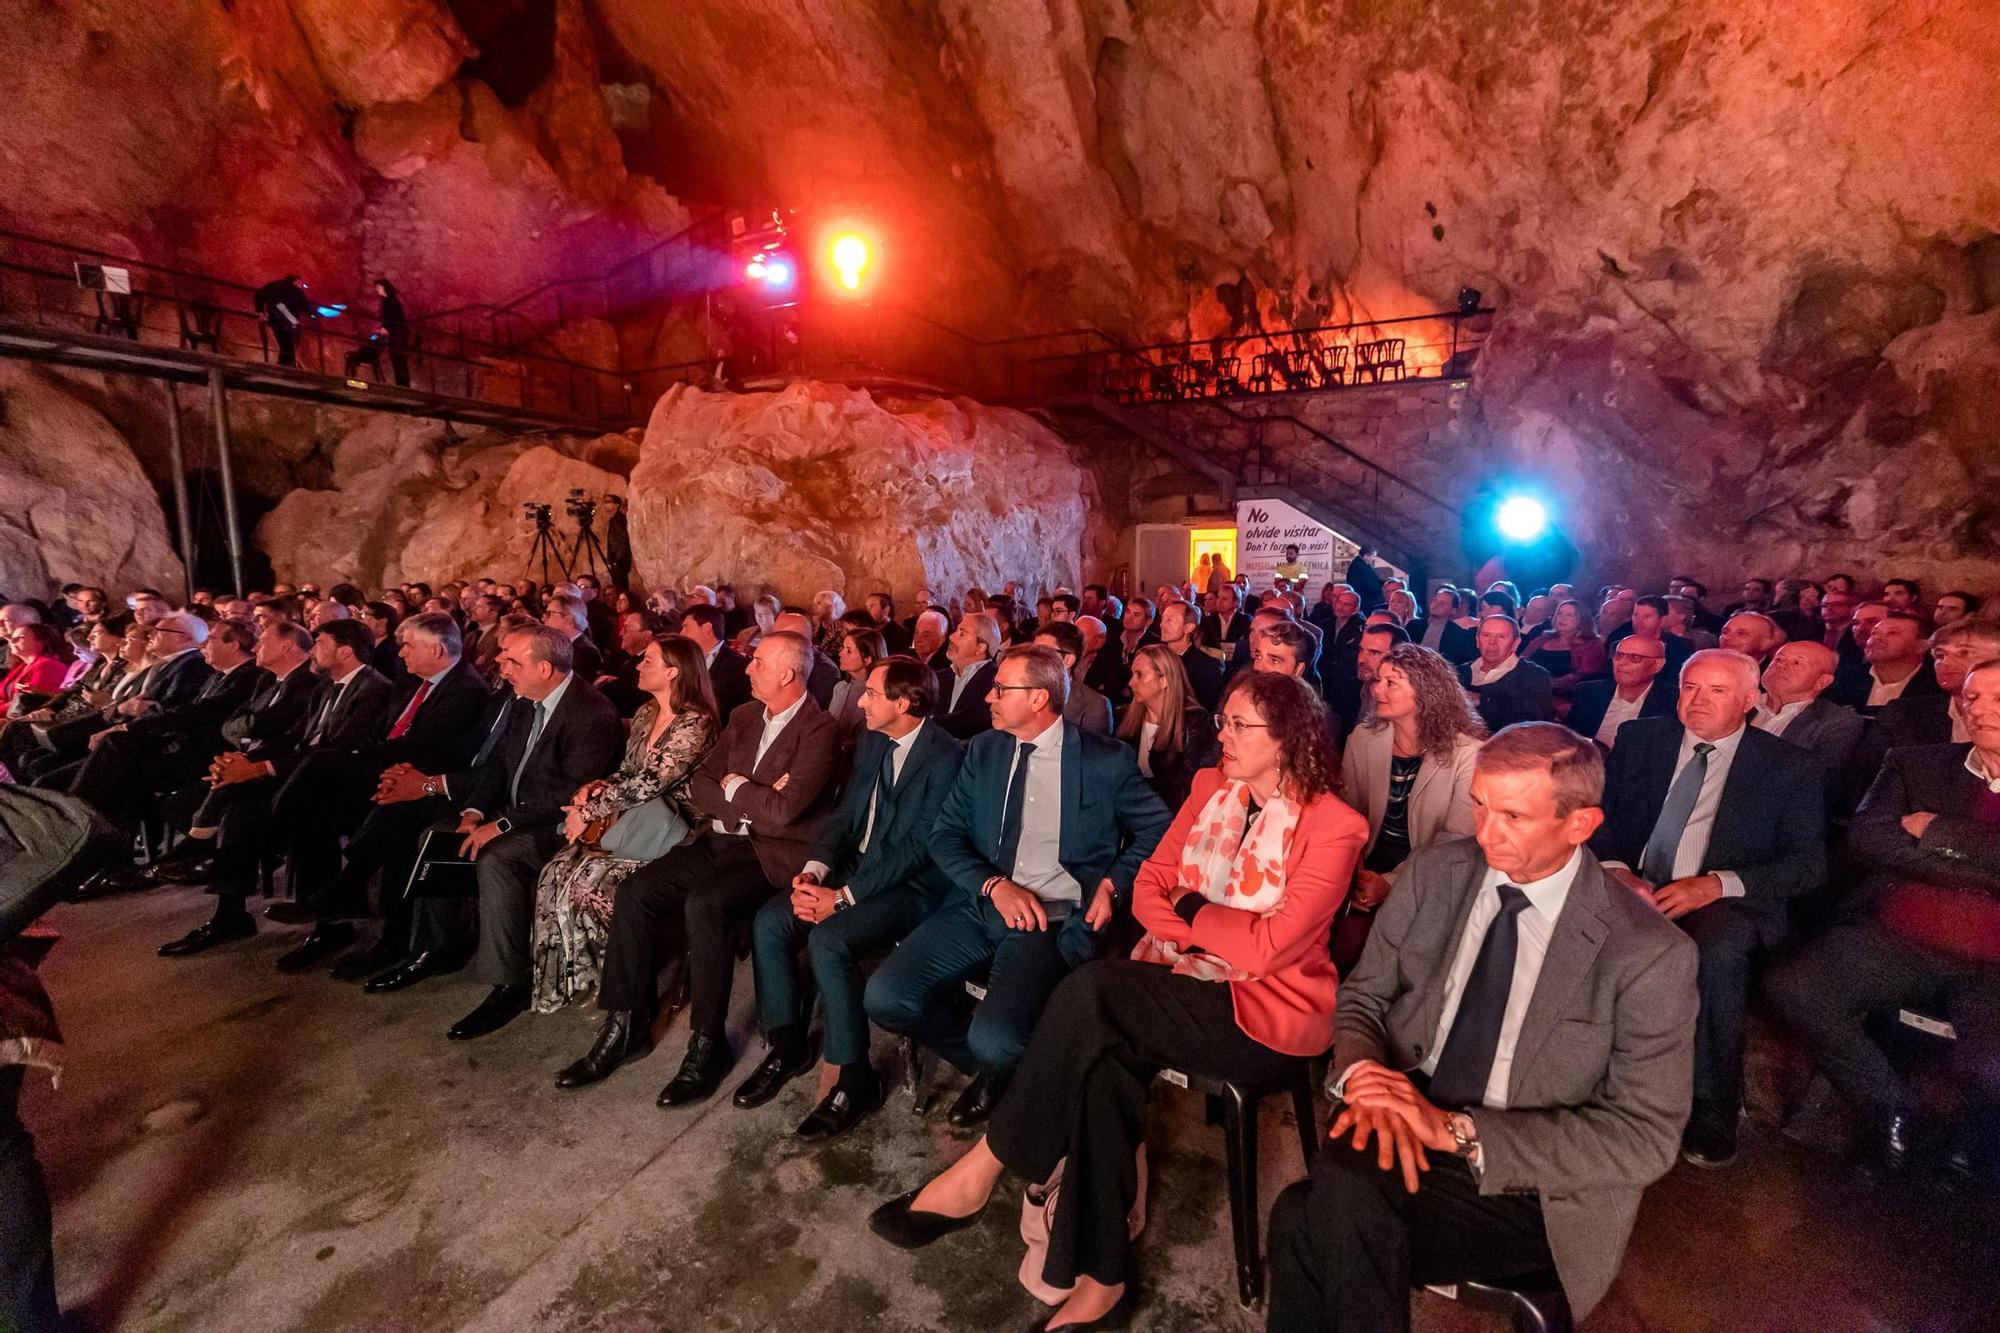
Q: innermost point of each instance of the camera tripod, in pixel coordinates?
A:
(545, 546)
(587, 549)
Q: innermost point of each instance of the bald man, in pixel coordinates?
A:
(1792, 706)
(825, 672)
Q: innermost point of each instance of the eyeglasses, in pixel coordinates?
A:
(1002, 689)
(1635, 657)
(1226, 725)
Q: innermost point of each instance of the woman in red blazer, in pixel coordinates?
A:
(1232, 981)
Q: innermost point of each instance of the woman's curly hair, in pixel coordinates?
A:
(1444, 709)
(1297, 717)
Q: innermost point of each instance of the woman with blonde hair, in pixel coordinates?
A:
(1172, 732)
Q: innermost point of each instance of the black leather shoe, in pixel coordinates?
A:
(976, 1103)
(907, 1229)
(1889, 1149)
(118, 879)
(779, 1068)
(1710, 1139)
(288, 913)
(376, 959)
(624, 1036)
(1118, 1316)
(425, 964)
(214, 931)
(182, 870)
(707, 1060)
(841, 1110)
(502, 1005)
(324, 941)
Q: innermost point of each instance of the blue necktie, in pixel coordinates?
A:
(878, 807)
(1010, 816)
(1657, 862)
(1466, 1061)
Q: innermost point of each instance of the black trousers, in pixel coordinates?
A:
(1348, 1244)
(505, 872)
(27, 1254)
(707, 883)
(1080, 1094)
(125, 772)
(1727, 936)
(384, 842)
(323, 800)
(1827, 991)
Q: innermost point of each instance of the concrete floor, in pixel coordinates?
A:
(235, 1149)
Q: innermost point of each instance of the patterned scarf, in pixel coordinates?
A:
(1229, 862)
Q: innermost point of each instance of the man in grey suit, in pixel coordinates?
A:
(1522, 1023)
(1794, 706)
(1086, 708)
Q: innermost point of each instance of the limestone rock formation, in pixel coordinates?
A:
(83, 512)
(820, 486)
(407, 503)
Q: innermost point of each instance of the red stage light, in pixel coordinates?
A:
(851, 256)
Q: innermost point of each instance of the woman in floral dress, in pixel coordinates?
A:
(670, 735)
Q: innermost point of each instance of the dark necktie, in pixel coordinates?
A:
(1010, 816)
(879, 812)
(326, 714)
(1657, 862)
(1466, 1061)
(534, 734)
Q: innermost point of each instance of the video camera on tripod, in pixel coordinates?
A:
(544, 515)
(580, 507)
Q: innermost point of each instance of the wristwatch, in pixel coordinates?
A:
(1464, 1133)
(430, 786)
(504, 824)
(843, 898)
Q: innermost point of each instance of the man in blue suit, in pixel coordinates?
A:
(869, 882)
(1040, 839)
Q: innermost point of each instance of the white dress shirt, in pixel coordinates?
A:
(899, 750)
(1617, 713)
(1148, 733)
(1701, 821)
(773, 724)
(1775, 720)
(339, 692)
(1038, 861)
(1481, 676)
(1975, 766)
(1535, 927)
(1879, 693)
(547, 709)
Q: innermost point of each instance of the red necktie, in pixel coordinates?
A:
(410, 713)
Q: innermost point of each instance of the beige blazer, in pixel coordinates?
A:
(1440, 804)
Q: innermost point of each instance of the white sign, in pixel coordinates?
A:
(1266, 533)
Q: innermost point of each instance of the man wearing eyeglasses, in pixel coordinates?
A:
(1040, 837)
(1640, 686)
(174, 675)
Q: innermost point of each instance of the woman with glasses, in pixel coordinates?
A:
(40, 663)
(1410, 772)
(1174, 735)
(1232, 981)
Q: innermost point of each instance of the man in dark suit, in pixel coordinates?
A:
(1895, 665)
(431, 727)
(1719, 825)
(1521, 1018)
(762, 795)
(133, 763)
(1438, 629)
(562, 734)
(1925, 719)
(566, 614)
(728, 672)
(869, 882)
(881, 608)
(1640, 686)
(1040, 839)
(1229, 625)
(348, 708)
(1508, 689)
(963, 709)
(1086, 708)
(1918, 934)
(174, 676)
(1795, 706)
(930, 636)
(1180, 631)
(617, 542)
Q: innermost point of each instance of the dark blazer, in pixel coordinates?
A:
(388, 659)
(585, 658)
(971, 714)
(1525, 694)
(360, 715)
(276, 711)
(894, 637)
(1087, 708)
(729, 677)
(1338, 646)
(1852, 681)
(825, 675)
(580, 742)
(899, 852)
(198, 722)
(1955, 852)
(1603, 1070)
(1174, 769)
(1205, 675)
(445, 732)
(1215, 635)
(1592, 700)
(1829, 732)
(176, 682)
(1111, 820)
(1924, 720)
(784, 825)
(1770, 828)
(1456, 644)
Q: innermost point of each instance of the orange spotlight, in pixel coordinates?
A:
(851, 255)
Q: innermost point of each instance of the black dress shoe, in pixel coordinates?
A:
(425, 964)
(779, 1068)
(1118, 1316)
(118, 879)
(1710, 1139)
(1889, 1149)
(701, 1072)
(624, 1036)
(376, 959)
(321, 943)
(182, 870)
(841, 1110)
(288, 913)
(907, 1229)
(976, 1103)
(502, 1005)
(214, 931)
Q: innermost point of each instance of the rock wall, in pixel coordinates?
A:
(74, 505)
(821, 486)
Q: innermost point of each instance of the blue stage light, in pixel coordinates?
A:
(1521, 518)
